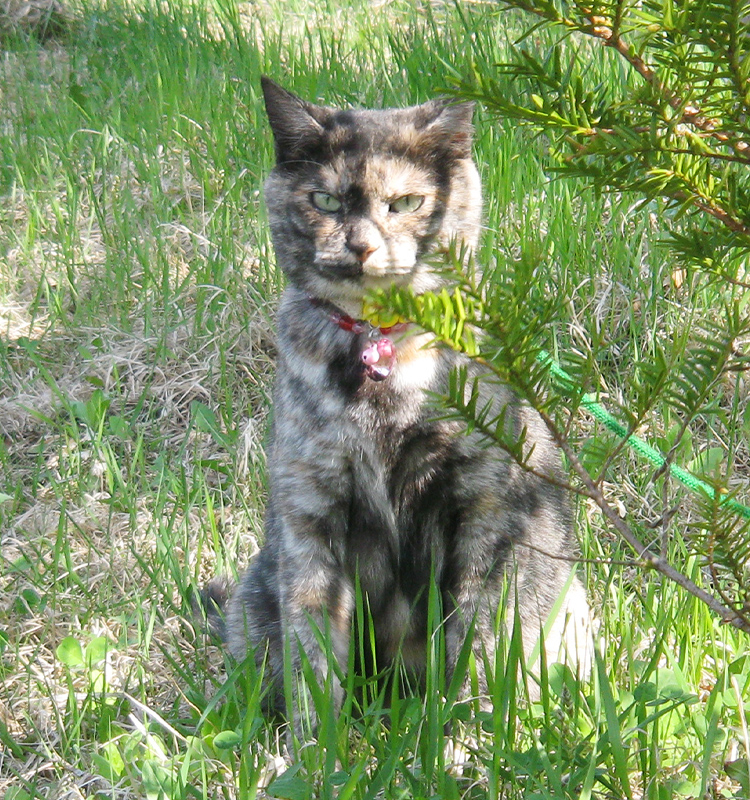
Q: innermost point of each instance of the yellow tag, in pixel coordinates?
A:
(379, 318)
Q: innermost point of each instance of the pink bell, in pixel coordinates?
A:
(378, 358)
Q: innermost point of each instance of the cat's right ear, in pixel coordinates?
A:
(295, 129)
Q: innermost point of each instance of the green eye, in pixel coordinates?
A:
(406, 204)
(325, 202)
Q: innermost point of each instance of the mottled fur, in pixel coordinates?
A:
(365, 483)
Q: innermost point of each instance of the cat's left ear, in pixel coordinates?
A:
(296, 124)
(446, 125)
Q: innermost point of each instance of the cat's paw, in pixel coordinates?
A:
(458, 754)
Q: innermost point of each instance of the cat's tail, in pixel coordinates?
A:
(209, 605)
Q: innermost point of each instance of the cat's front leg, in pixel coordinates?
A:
(471, 611)
(480, 586)
(316, 610)
(316, 595)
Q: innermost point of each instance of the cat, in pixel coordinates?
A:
(369, 488)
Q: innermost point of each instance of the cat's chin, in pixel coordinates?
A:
(395, 277)
(354, 289)
(348, 294)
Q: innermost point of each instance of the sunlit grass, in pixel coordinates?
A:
(137, 289)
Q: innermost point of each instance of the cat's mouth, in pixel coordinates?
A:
(365, 277)
(356, 271)
(399, 276)
(349, 292)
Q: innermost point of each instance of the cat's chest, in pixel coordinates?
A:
(386, 409)
(397, 441)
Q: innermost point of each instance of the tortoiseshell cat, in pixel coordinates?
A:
(365, 484)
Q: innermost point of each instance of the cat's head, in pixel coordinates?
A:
(358, 198)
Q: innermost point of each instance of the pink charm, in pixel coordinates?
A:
(386, 349)
(378, 352)
(378, 358)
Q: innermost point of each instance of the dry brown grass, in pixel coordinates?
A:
(110, 589)
(74, 559)
(44, 19)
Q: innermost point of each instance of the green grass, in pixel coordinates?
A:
(136, 309)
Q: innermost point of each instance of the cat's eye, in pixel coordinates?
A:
(325, 202)
(406, 204)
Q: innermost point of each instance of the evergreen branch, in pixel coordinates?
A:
(446, 316)
(599, 28)
(608, 33)
(733, 281)
(735, 556)
(647, 559)
(610, 562)
(714, 210)
(740, 82)
(513, 449)
(592, 489)
(712, 154)
(698, 199)
(598, 132)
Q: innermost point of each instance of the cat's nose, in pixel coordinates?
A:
(362, 250)
(363, 238)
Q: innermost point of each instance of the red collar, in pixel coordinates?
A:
(378, 353)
